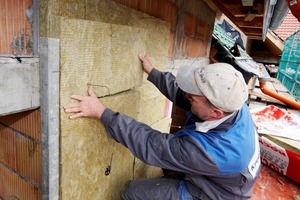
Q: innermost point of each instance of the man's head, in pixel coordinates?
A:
(220, 83)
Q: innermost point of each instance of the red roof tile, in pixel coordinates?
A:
(288, 26)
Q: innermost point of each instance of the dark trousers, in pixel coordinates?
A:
(148, 189)
(153, 189)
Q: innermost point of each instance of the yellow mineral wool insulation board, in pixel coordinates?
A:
(103, 55)
(87, 152)
(106, 57)
(87, 56)
(109, 50)
(111, 12)
(151, 109)
(157, 42)
(152, 103)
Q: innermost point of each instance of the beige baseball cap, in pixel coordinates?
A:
(220, 83)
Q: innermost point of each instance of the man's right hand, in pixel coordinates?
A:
(147, 66)
(86, 106)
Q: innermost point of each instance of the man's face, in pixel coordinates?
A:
(201, 107)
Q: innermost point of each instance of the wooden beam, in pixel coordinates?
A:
(274, 44)
(253, 37)
(252, 31)
(252, 27)
(257, 22)
(245, 15)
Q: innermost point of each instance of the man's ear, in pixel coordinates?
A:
(217, 113)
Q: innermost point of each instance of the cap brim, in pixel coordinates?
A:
(186, 80)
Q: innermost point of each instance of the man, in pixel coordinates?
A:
(216, 156)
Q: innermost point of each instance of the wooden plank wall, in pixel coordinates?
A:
(16, 28)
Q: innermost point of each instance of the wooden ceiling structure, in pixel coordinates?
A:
(247, 15)
(254, 18)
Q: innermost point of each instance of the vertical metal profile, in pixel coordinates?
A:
(49, 98)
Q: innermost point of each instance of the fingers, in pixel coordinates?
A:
(79, 108)
(87, 106)
(72, 108)
(77, 97)
(77, 115)
(141, 56)
(144, 57)
(80, 98)
(146, 63)
(90, 91)
(75, 108)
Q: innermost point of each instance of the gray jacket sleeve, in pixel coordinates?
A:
(165, 82)
(163, 150)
